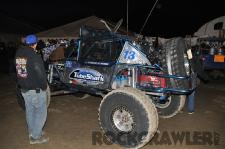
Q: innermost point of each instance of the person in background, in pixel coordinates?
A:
(32, 80)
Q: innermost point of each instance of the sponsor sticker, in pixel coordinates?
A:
(85, 76)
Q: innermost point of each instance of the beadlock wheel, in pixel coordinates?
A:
(125, 113)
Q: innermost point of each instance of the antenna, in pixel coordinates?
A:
(118, 24)
(127, 15)
(148, 16)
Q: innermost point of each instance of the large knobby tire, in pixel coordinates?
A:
(21, 101)
(171, 107)
(175, 62)
(128, 118)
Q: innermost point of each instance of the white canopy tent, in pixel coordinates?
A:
(213, 28)
(71, 30)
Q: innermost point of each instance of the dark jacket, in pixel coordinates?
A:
(30, 69)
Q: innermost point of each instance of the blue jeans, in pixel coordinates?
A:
(36, 112)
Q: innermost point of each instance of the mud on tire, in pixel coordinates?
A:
(174, 105)
(128, 117)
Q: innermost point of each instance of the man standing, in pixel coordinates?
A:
(32, 80)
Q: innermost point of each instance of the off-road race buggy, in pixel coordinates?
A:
(137, 81)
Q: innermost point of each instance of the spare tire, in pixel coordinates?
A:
(174, 62)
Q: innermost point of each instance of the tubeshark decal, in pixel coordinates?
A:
(85, 76)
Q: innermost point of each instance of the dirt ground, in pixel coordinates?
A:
(72, 121)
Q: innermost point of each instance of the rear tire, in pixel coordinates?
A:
(128, 112)
(174, 104)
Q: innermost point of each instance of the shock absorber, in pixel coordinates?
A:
(50, 73)
(132, 77)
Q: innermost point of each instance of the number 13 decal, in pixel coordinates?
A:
(129, 55)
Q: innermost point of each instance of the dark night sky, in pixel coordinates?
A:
(169, 18)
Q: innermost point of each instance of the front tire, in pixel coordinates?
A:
(125, 113)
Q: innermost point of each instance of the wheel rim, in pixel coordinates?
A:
(123, 119)
(186, 64)
(165, 104)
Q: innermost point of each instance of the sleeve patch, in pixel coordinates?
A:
(21, 67)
